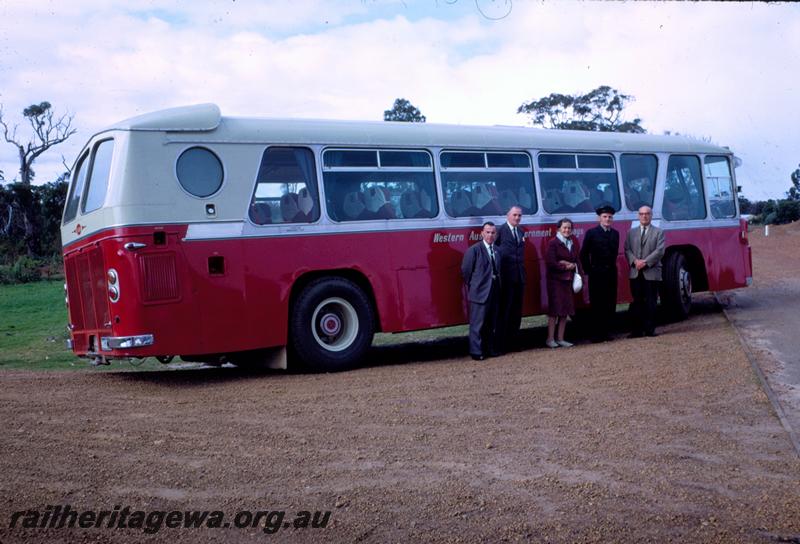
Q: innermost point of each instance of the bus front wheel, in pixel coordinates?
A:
(332, 325)
(676, 288)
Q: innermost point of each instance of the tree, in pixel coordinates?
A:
(745, 206)
(48, 131)
(794, 190)
(599, 110)
(403, 111)
(780, 212)
(21, 209)
(30, 220)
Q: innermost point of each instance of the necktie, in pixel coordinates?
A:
(644, 235)
(491, 256)
(514, 233)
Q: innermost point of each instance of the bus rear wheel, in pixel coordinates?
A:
(676, 288)
(332, 325)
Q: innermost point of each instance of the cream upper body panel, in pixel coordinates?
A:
(143, 186)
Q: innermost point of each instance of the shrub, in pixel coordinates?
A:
(24, 270)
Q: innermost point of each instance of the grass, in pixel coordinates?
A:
(33, 329)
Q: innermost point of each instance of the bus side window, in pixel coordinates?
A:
(578, 183)
(98, 180)
(638, 179)
(719, 184)
(683, 189)
(363, 185)
(286, 187)
(477, 184)
(76, 189)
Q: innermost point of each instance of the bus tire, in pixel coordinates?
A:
(676, 289)
(332, 325)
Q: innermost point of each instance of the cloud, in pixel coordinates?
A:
(728, 72)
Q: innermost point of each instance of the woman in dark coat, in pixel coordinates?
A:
(562, 260)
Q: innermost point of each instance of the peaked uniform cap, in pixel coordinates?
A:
(605, 209)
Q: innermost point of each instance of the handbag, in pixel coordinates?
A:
(577, 282)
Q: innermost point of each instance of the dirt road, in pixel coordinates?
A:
(654, 439)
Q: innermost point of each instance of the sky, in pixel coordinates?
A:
(728, 72)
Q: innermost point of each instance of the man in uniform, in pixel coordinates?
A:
(599, 259)
(511, 243)
(480, 269)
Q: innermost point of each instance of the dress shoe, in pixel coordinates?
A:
(477, 357)
(651, 334)
(497, 353)
(635, 335)
(551, 344)
(565, 344)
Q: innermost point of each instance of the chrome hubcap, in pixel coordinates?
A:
(331, 324)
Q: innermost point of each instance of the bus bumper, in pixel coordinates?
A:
(107, 343)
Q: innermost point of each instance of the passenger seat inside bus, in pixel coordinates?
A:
(525, 199)
(353, 206)
(411, 205)
(306, 204)
(461, 204)
(378, 204)
(261, 213)
(507, 199)
(289, 209)
(484, 198)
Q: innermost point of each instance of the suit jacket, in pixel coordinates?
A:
(599, 250)
(512, 265)
(476, 269)
(652, 252)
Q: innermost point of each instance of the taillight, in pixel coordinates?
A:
(113, 288)
(743, 234)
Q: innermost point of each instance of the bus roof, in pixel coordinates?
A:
(207, 120)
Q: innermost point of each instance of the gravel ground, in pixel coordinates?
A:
(767, 313)
(666, 439)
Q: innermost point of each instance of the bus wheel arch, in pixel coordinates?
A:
(332, 320)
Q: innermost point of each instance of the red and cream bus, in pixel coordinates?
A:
(231, 239)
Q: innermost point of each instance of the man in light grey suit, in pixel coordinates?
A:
(480, 269)
(644, 248)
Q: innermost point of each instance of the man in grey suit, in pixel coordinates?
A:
(644, 248)
(480, 269)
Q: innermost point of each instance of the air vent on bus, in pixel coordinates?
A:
(159, 277)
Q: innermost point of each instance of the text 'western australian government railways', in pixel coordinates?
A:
(448, 237)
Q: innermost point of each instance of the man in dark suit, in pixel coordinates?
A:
(644, 248)
(599, 260)
(481, 272)
(511, 243)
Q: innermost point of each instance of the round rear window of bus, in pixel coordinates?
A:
(199, 171)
